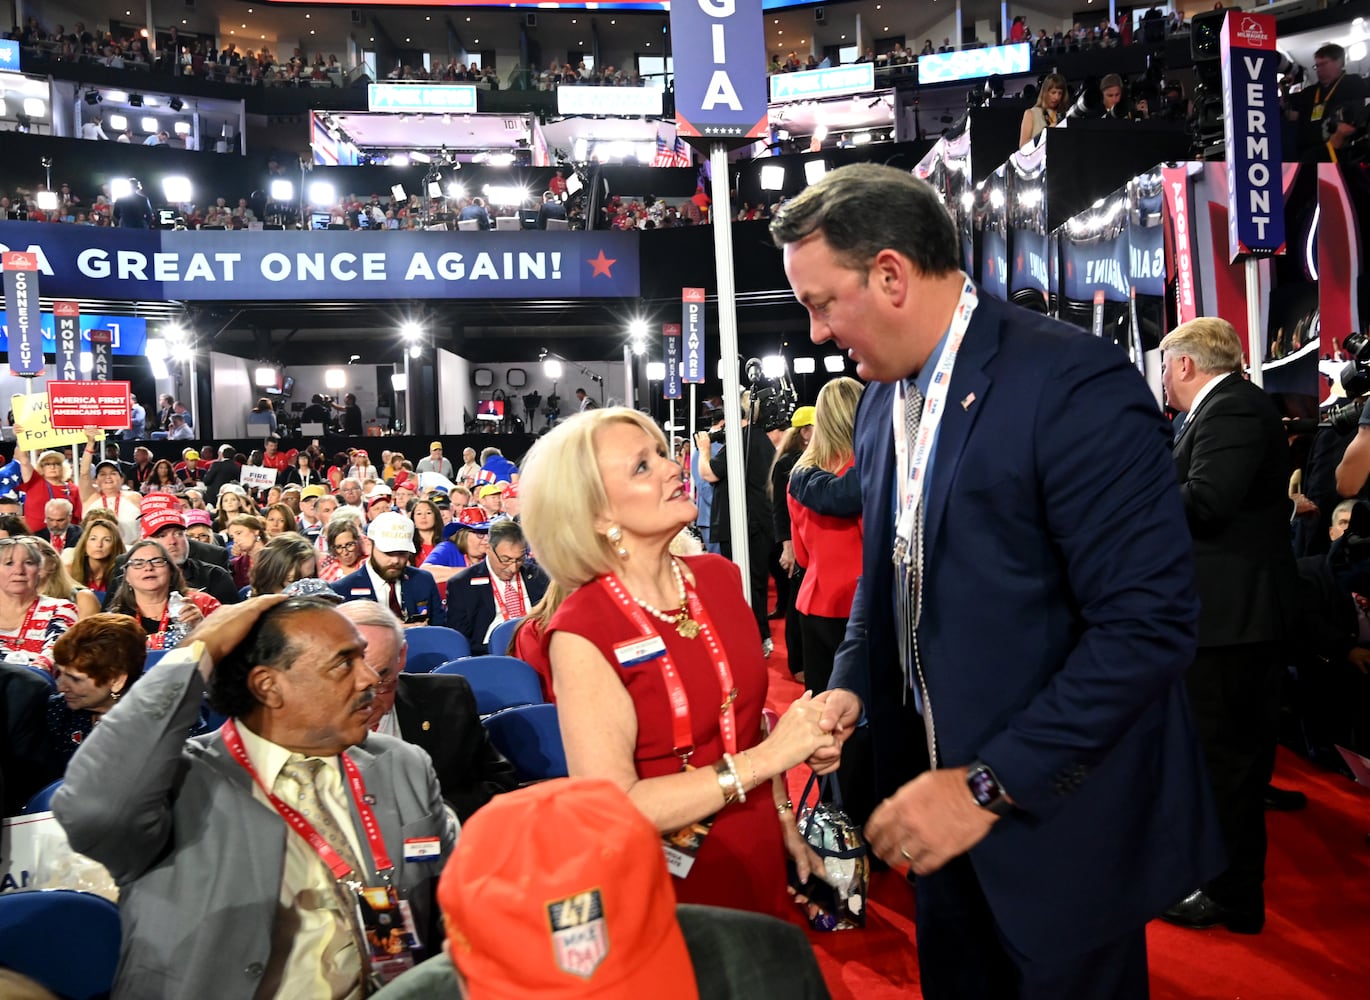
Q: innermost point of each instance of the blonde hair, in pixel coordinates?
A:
(563, 495)
(834, 420)
(1211, 343)
(57, 581)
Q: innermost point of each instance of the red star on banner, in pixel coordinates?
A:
(602, 265)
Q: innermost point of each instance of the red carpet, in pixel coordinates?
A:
(1316, 942)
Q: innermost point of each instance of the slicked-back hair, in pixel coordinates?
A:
(864, 208)
(271, 643)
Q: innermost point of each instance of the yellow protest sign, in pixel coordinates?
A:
(33, 414)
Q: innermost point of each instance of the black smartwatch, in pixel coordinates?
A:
(986, 790)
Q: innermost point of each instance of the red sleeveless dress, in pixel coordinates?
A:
(742, 861)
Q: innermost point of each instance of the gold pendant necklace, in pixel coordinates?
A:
(685, 626)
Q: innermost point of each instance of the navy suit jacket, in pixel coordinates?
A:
(471, 603)
(418, 593)
(1059, 617)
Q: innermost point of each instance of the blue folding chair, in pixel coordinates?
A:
(430, 645)
(503, 636)
(64, 940)
(42, 799)
(530, 737)
(499, 682)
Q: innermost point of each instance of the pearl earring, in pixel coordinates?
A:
(615, 536)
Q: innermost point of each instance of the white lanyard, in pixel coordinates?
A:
(912, 470)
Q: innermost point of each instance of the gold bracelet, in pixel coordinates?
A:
(752, 767)
(741, 792)
(785, 808)
(727, 781)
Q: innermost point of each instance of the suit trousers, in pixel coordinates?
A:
(1234, 695)
(962, 956)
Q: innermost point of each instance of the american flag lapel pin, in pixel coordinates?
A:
(965, 403)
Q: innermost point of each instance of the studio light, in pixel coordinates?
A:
(420, 157)
(804, 366)
(116, 95)
(416, 351)
(118, 122)
(47, 200)
(411, 330)
(834, 363)
(264, 376)
(176, 104)
(182, 353)
(34, 107)
(282, 191)
(181, 128)
(456, 191)
(772, 177)
(814, 170)
(399, 160)
(156, 354)
(334, 379)
(177, 189)
(322, 193)
(637, 329)
(92, 96)
(397, 193)
(773, 366)
(639, 346)
(149, 125)
(119, 187)
(399, 381)
(656, 371)
(551, 368)
(134, 100)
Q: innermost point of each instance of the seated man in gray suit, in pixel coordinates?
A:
(601, 921)
(433, 711)
(244, 858)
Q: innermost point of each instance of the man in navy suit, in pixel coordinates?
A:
(1027, 652)
(500, 587)
(57, 527)
(387, 577)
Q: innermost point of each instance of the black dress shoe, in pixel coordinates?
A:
(1199, 911)
(1284, 799)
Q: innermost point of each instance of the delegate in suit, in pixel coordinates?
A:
(219, 894)
(1232, 458)
(1027, 653)
(386, 576)
(433, 711)
(500, 587)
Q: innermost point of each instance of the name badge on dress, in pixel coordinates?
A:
(639, 651)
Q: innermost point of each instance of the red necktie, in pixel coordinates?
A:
(58, 541)
(513, 602)
(395, 607)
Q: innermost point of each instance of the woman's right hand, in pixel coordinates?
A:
(797, 735)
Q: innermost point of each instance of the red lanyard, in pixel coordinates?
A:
(24, 628)
(104, 502)
(682, 733)
(509, 609)
(303, 827)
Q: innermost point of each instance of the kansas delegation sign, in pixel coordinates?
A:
(1251, 129)
(84, 262)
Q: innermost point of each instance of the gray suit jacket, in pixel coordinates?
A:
(198, 860)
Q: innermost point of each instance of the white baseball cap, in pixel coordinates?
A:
(392, 532)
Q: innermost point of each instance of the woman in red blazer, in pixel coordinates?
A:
(827, 546)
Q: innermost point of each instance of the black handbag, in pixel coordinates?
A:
(836, 896)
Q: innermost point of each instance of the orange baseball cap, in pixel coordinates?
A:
(578, 905)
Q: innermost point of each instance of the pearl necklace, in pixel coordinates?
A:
(680, 618)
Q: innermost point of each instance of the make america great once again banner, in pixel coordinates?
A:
(86, 262)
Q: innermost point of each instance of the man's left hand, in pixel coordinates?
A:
(928, 822)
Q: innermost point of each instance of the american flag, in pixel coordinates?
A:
(485, 477)
(681, 157)
(663, 156)
(10, 476)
